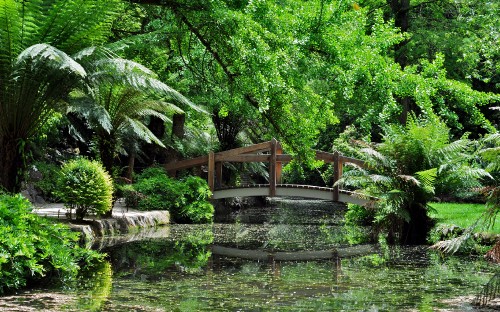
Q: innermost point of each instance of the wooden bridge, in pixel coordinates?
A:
(272, 153)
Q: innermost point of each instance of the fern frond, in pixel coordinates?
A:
(427, 179)
(380, 179)
(141, 131)
(450, 151)
(375, 158)
(409, 178)
(475, 173)
(85, 107)
(41, 76)
(154, 113)
(452, 245)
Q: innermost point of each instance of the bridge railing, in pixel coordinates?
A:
(270, 152)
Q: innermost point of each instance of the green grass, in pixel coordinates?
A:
(462, 215)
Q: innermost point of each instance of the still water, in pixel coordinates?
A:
(293, 256)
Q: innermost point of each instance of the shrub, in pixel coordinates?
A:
(85, 186)
(158, 192)
(47, 184)
(31, 247)
(186, 200)
(196, 207)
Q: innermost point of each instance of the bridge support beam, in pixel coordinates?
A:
(279, 164)
(211, 171)
(272, 169)
(337, 173)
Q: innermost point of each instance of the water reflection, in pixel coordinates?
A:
(280, 265)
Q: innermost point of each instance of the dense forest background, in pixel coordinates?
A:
(300, 71)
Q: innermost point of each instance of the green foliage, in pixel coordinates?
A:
(402, 173)
(93, 286)
(36, 70)
(47, 185)
(32, 247)
(358, 215)
(85, 186)
(186, 200)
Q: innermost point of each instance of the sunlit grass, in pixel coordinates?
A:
(462, 215)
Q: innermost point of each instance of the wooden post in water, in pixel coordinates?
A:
(337, 173)
(272, 169)
(211, 171)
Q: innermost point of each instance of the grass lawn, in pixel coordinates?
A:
(462, 215)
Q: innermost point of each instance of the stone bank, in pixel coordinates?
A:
(92, 229)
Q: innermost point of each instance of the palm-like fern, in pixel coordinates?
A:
(38, 79)
(118, 98)
(404, 170)
(34, 72)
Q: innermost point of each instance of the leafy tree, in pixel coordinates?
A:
(35, 75)
(286, 68)
(465, 33)
(251, 80)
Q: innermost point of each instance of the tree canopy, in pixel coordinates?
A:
(294, 69)
(300, 71)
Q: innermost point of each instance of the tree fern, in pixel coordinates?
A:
(129, 94)
(404, 171)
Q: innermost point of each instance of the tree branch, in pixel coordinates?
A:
(206, 44)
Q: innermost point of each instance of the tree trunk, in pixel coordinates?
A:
(130, 166)
(178, 122)
(415, 232)
(227, 129)
(107, 153)
(400, 10)
(153, 152)
(11, 165)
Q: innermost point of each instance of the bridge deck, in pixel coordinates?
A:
(292, 190)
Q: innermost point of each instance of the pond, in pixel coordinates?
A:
(293, 256)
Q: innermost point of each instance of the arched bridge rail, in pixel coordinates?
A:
(272, 153)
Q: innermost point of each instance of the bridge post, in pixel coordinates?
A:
(279, 165)
(337, 173)
(272, 169)
(211, 170)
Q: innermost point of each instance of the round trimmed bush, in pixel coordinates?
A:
(85, 186)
